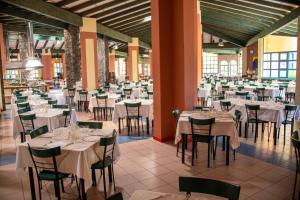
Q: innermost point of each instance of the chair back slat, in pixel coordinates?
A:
(39, 131)
(91, 125)
(133, 109)
(209, 186)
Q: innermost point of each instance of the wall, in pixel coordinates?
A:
(251, 56)
(273, 43)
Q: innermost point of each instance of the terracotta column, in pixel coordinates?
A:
(297, 97)
(199, 44)
(260, 54)
(3, 49)
(47, 71)
(174, 55)
(89, 60)
(133, 60)
(150, 62)
(244, 61)
(112, 59)
(63, 58)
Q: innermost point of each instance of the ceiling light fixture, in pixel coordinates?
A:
(221, 43)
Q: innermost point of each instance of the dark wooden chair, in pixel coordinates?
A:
(290, 111)
(252, 118)
(133, 116)
(27, 122)
(209, 186)
(91, 124)
(106, 161)
(296, 145)
(201, 132)
(39, 131)
(45, 165)
(82, 103)
(117, 196)
(101, 107)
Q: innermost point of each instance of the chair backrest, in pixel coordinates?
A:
(117, 196)
(22, 98)
(209, 186)
(91, 125)
(201, 126)
(201, 108)
(238, 116)
(109, 144)
(71, 92)
(240, 87)
(225, 105)
(127, 91)
(39, 131)
(133, 109)
(52, 102)
(45, 159)
(60, 106)
(23, 105)
(252, 111)
(24, 110)
(296, 145)
(290, 111)
(240, 93)
(150, 95)
(83, 95)
(101, 100)
(20, 101)
(290, 96)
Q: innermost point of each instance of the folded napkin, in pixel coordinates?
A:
(61, 143)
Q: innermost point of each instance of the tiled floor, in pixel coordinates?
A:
(148, 164)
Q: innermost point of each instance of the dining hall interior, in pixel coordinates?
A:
(149, 99)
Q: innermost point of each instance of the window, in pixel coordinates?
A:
(58, 68)
(224, 68)
(34, 74)
(210, 63)
(11, 74)
(140, 68)
(147, 69)
(233, 68)
(120, 67)
(279, 65)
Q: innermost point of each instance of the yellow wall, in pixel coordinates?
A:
(89, 25)
(90, 64)
(274, 43)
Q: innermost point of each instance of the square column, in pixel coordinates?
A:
(112, 59)
(199, 44)
(47, 71)
(3, 50)
(174, 55)
(89, 60)
(150, 62)
(133, 60)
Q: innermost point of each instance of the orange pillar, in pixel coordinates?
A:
(112, 59)
(150, 62)
(199, 44)
(133, 60)
(89, 60)
(174, 55)
(47, 71)
(63, 57)
(3, 50)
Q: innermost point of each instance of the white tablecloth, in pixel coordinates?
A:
(52, 118)
(34, 104)
(76, 158)
(150, 195)
(269, 111)
(111, 99)
(57, 95)
(146, 109)
(224, 125)
(204, 92)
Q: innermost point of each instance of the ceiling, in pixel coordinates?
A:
(235, 21)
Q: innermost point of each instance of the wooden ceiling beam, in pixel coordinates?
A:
(239, 9)
(128, 18)
(125, 15)
(133, 26)
(276, 26)
(123, 7)
(10, 10)
(223, 36)
(65, 2)
(266, 4)
(101, 7)
(45, 44)
(46, 9)
(130, 22)
(40, 31)
(84, 5)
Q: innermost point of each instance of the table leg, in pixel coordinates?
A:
(82, 189)
(31, 181)
(147, 121)
(227, 150)
(119, 125)
(275, 133)
(183, 138)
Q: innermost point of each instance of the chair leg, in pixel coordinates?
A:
(208, 155)
(94, 177)
(246, 130)
(284, 132)
(177, 149)
(78, 188)
(256, 132)
(193, 152)
(62, 185)
(138, 124)
(113, 176)
(40, 194)
(109, 174)
(56, 188)
(223, 143)
(295, 184)
(104, 184)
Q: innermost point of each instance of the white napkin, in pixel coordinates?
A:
(61, 143)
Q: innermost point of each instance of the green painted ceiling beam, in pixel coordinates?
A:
(121, 54)
(39, 31)
(276, 26)
(48, 10)
(104, 30)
